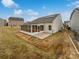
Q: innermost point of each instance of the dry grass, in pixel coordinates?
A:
(12, 47)
(44, 44)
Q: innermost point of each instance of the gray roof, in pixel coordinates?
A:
(46, 19)
(76, 9)
(15, 18)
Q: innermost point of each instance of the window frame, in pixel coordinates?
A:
(50, 27)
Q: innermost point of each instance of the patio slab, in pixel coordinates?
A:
(40, 35)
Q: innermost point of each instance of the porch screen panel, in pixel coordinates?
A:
(34, 28)
(26, 28)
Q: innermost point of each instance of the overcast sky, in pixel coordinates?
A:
(31, 9)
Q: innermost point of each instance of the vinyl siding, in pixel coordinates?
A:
(57, 24)
(75, 21)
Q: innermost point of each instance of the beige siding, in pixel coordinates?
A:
(57, 24)
(75, 21)
(46, 27)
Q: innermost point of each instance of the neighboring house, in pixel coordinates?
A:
(67, 23)
(74, 20)
(2, 22)
(50, 24)
(15, 21)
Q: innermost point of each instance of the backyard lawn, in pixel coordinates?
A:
(14, 47)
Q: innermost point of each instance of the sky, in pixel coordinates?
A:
(32, 9)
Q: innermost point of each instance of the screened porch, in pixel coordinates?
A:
(32, 28)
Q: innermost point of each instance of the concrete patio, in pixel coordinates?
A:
(40, 35)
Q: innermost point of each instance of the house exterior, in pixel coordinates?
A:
(67, 23)
(2, 22)
(74, 20)
(50, 24)
(15, 21)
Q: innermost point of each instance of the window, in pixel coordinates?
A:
(50, 27)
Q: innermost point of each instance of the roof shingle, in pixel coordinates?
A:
(46, 19)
